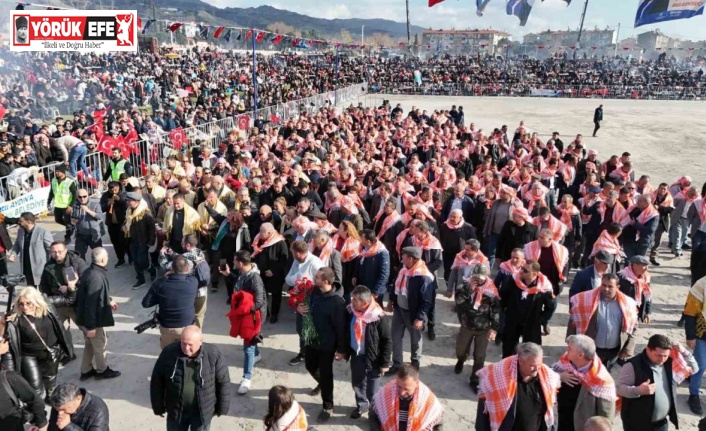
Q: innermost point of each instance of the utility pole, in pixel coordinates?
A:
(617, 41)
(583, 18)
(362, 40)
(407, 3)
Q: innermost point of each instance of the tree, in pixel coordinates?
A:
(504, 41)
(280, 28)
(345, 36)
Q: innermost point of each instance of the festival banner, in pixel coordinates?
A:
(653, 11)
(73, 30)
(34, 202)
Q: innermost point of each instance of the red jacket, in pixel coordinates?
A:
(243, 322)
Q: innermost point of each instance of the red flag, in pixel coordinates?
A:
(243, 122)
(2, 111)
(218, 32)
(248, 34)
(175, 26)
(434, 2)
(106, 144)
(295, 41)
(260, 36)
(278, 39)
(139, 23)
(274, 118)
(178, 137)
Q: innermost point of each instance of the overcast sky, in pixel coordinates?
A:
(460, 14)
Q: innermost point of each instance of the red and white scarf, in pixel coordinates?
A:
(597, 380)
(463, 261)
(371, 314)
(642, 284)
(272, 240)
(488, 289)
(425, 410)
(349, 249)
(389, 221)
(428, 243)
(325, 254)
(543, 285)
(378, 247)
(560, 254)
(566, 214)
(419, 269)
(584, 306)
(557, 227)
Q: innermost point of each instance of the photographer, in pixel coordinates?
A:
(59, 280)
(175, 296)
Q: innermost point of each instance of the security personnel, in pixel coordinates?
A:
(117, 165)
(63, 192)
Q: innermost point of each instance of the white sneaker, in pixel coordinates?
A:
(258, 358)
(244, 387)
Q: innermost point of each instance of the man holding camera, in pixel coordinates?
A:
(175, 296)
(94, 313)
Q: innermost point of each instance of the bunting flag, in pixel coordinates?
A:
(203, 30)
(2, 112)
(275, 119)
(148, 24)
(248, 34)
(260, 36)
(434, 2)
(277, 39)
(654, 11)
(139, 22)
(174, 26)
(228, 33)
(218, 32)
(480, 6)
(520, 8)
(240, 35)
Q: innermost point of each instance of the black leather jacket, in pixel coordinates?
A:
(11, 359)
(50, 284)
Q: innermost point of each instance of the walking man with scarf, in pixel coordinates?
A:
(371, 347)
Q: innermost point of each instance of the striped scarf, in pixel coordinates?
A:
(642, 284)
(597, 380)
(425, 410)
(419, 269)
(349, 249)
(584, 305)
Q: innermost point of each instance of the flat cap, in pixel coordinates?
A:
(604, 257)
(593, 189)
(480, 271)
(413, 252)
(639, 260)
(134, 196)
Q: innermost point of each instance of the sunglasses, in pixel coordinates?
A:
(83, 196)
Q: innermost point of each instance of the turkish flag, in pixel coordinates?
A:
(218, 32)
(139, 23)
(2, 112)
(274, 118)
(178, 137)
(260, 36)
(106, 144)
(434, 2)
(243, 122)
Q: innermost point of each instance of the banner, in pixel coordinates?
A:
(34, 202)
(542, 92)
(652, 11)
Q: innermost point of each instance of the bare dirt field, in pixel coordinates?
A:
(665, 139)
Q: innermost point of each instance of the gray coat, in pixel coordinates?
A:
(38, 249)
(87, 225)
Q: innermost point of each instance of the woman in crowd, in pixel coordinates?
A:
(37, 341)
(283, 412)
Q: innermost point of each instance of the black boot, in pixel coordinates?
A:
(431, 333)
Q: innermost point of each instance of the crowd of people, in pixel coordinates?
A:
(374, 210)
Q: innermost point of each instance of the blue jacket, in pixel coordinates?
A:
(420, 292)
(467, 205)
(583, 281)
(374, 272)
(175, 296)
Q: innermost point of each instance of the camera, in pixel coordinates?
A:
(153, 322)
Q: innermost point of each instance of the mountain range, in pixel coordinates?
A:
(262, 16)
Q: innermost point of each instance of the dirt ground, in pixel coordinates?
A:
(663, 137)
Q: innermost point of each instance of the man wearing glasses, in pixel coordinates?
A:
(87, 218)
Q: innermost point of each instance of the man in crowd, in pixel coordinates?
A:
(63, 192)
(373, 267)
(410, 302)
(180, 220)
(139, 230)
(328, 313)
(453, 234)
(75, 408)
(609, 317)
(590, 277)
(32, 246)
(664, 202)
(597, 118)
(587, 389)
(634, 281)
(115, 208)
(269, 253)
(518, 392)
(87, 219)
(174, 296)
(370, 347)
(392, 406)
(190, 383)
(639, 235)
(94, 313)
(432, 257)
(648, 385)
(117, 165)
(499, 214)
(516, 232)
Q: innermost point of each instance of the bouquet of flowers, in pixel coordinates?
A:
(301, 294)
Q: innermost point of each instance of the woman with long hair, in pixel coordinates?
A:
(37, 341)
(347, 242)
(283, 411)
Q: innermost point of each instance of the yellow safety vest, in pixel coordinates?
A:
(116, 169)
(62, 192)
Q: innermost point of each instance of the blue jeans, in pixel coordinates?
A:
(491, 247)
(700, 356)
(78, 154)
(249, 363)
(189, 422)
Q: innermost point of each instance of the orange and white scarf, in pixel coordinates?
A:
(378, 247)
(425, 410)
(272, 240)
(597, 380)
(463, 261)
(700, 206)
(555, 225)
(452, 226)
(560, 254)
(428, 243)
(488, 289)
(349, 249)
(543, 285)
(680, 369)
(533, 199)
(498, 386)
(507, 267)
(566, 214)
(418, 270)
(293, 419)
(668, 201)
(647, 214)
(620, 214)
(389, 221)
(400, 240)
(361, 319)
(642, 284)
(606, 243)
(585, 304)
(325, 254)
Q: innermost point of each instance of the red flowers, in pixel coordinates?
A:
(301, 294)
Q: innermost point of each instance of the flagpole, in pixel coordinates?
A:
(583, 17)
(336, 91)
(254, 78)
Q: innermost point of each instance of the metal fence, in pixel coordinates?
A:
(158, 147)
(640, 92)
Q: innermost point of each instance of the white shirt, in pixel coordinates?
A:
(307, 269)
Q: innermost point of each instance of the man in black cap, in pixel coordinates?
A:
(590, 277)
(410, 302)
(21, 30)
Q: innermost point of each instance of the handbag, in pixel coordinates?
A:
(25, 412)
(56, 353)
